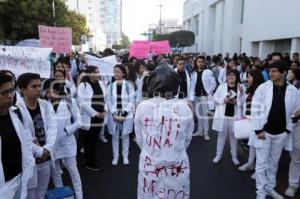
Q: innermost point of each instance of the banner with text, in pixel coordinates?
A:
(145, 49)
(106, 64)
(57, 38)
(21, 60)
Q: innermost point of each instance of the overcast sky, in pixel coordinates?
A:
(138, 14)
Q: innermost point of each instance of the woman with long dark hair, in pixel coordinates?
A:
(93, 108)
(120, 101)
(255, 79)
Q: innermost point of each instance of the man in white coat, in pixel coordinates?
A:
(163, 128)
(16, 158)
(203, 84)
(273, 105)
(185, 77)
(43, 127)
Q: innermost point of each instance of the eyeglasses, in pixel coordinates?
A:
(6, 92)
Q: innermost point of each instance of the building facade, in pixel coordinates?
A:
(91, 9)
(253, 26)
(111, 21)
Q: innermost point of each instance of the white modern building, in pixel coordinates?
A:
(91, 9)
(111, 21)
(257, 27)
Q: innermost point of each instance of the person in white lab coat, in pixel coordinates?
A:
(120, 101)
(229, 98)
(66, 114)
(93, 109)
(255, 78)
(294, 171)
(273, 105)
(16, 157)
(231, 65)
(163, 128)
(185, 77)
(43, 127)
(203, 84)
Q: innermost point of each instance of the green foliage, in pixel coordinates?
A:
(182, 38)
(161, 37)
(19, 19)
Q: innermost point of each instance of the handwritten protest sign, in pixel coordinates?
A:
(60, 39)
(21, 60)
(106, 64)
(140, 49)
(160, 47)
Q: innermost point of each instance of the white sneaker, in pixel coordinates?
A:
(103, 139)
(125, 161)
(274, 194)
(291, 191)
(217, 159)
(206, 137)
(82, 150)
(235, 161)
(115, 161)
(197, 134)
(246, 167)
(253, 177)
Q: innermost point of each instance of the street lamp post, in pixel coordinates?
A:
(53, 12)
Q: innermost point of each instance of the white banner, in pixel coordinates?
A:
(21, 60)
(106, 64)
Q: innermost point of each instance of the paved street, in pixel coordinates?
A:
(208, 181)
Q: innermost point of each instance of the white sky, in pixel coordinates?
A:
(138, 14)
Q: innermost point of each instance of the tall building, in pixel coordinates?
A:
(91, 9)
(253, 26)
(111, 21)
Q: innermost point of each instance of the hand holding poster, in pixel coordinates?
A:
(21, 60)
(106, 64)
(60, 39)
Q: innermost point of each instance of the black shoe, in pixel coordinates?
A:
(93, 168)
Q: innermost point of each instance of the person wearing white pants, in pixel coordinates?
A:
(66, 112)
(294, 171)
(120, 101)
(203, 84)
(43, 127)
(255, 78)
(273, 105)
(229, 98)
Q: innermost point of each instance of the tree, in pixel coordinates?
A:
(161, 37)
(125, 41)
(19, 19)
(78, 24)
(182, 38)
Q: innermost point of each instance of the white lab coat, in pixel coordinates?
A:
(84, 98)
(188, 80)
(222, 76)
(219, 97)
(261, 105)
(163, 131)
(208, 80)
(65, 145)
(50, 126)
(139, 93)
(128, 104)
(20, 183)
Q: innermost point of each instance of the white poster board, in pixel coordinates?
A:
(106, 64)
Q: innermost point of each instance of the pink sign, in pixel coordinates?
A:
(59, 39)
(140, 49)
(160, 47)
